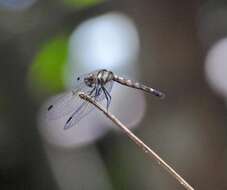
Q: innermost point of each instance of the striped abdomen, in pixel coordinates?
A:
(139, 86)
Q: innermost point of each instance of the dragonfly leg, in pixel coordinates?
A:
(96, 91)
(92, 91)
(108, 97)
(108, 94)
(99, 91)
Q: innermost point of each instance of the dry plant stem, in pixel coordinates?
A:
(138, 142)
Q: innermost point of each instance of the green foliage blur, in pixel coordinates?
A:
(46, 73)
(82, 3)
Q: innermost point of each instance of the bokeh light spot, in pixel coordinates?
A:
(107, 41)
(216, 67)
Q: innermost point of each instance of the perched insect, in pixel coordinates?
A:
(98, 85)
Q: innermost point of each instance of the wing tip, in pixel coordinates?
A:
(159, 94)
(67, 124)
(50, 107)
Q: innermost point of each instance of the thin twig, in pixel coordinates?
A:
(138, 142)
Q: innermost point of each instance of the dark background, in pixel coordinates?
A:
(188, 128)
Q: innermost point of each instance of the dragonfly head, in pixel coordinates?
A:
(90, 80)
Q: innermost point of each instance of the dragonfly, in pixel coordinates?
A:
(98, 85)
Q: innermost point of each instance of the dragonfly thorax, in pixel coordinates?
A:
(104, 76)
(99, 78)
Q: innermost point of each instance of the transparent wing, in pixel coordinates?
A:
(62, 105)
(71, 103)
(84, 109)
(66, 103)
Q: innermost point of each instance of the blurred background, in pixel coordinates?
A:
(179, 47)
